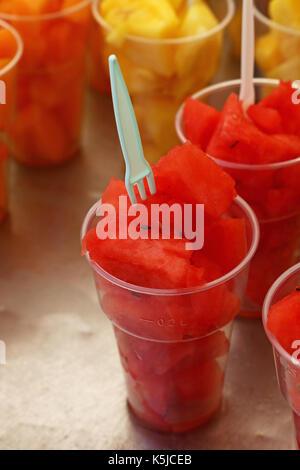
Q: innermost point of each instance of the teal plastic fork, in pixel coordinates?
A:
(137, 168)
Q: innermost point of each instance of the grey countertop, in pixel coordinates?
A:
(62, 386)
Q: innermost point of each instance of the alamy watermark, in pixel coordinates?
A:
(296, 354)
(2, 353)
(160, 221)
(2, 92)
(296, 94)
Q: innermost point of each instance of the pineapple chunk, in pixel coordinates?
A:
(285, 12)
(177, 4)
(197, 19)
(268, 53)
(143, 18)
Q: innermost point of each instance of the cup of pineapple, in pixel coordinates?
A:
(167, 50)
(278, 38)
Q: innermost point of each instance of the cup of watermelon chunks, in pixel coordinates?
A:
(261, 151)
(172, 309)
(281, 317)
(11, 48)
(46, 129)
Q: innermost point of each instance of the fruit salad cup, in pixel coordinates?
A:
(160, 73)
(273, 192)
(11, 48)
(277, 38)
(173, 354)
(287, 367)
(46, 129)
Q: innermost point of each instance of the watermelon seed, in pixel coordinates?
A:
(135, 294)
(234, 144)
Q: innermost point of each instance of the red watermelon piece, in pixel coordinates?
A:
(281, 99)
(226, 243)
(238, 140)
(161, 264)
(284, 321)
(200, 121)
(268, 120)
(189, 175)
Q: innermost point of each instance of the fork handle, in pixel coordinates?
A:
(127, 126)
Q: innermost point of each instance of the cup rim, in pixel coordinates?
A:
(46, 16)
(20, 47)
(273, 24)
(170, 41)
(187, 290)
(224, 163)
(265, 312)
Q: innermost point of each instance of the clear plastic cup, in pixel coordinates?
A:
(46, 130)
(287, 367)
(277, 46)
(160, 73)
(8, 68)
(174, 343)
(259, 186)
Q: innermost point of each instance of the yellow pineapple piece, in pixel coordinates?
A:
(268, 52)
(197, 19)
(144, 18)
(202, 53)
(177, 4)
(288, 70)
(285, 12)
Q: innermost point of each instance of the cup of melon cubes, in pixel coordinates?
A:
(11, 48)
(281, 317)
(171, 308)
(167, 49)
(261, 151)
(46, 129)
(278, 38)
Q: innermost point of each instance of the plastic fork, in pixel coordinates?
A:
(247, 91)
(137, 168)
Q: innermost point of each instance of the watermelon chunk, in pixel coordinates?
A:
(284, 321)
(238, 140)
(268, 120)
(161, 264)
(281, 99)
(188, 175)
(200, 121)
(226, 243)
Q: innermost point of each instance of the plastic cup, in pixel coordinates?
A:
(262, 186)
(277, 46)
(287, 367)
(8, 68)
(174, 343)
(46, 130)
(160, 73)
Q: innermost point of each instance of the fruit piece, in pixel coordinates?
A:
(8, 44)
(183, 165)
(281, 99)
(268, 53)
(149, 19)
(199, 382)
(285, 12)
(284, 321)
(198, 19)
(226, 243)
(200, 122)
(150, 263)
(236, 139)
(268, 120)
